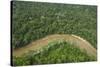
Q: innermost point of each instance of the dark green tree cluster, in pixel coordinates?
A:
(34, 20)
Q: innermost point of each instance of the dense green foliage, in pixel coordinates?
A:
(54, 52)
(33, 20)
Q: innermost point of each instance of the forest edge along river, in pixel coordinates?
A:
(76, 40)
